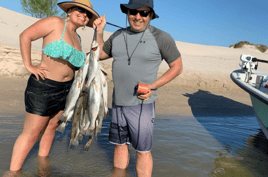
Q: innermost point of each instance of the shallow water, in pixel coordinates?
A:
(198, 145)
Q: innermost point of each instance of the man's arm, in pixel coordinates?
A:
(175, 69)
(100, 25)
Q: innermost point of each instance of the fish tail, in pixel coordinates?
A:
(73, 142)
(96, 134)
(70, 145)
(86, 147)
(89, 132)
(61, 127)
(83, 131)
(106, 114)
(79, 136)
(98, 130)
(62, 117)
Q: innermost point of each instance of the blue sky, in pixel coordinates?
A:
(208, 22)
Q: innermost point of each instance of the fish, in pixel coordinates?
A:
(87, 101)
(71, 101)
(91, 72)
(85, 121)
(86, 147)
(104, 86)
(93, 63)
(94, 98)
(97, 88)
(100, 117)
(78, 113)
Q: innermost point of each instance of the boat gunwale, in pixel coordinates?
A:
(248, 88)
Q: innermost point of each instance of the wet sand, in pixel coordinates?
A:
(171, 99)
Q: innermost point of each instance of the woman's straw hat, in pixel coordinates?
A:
(86, 4)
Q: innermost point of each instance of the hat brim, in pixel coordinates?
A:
(68, 4)
(125, 7)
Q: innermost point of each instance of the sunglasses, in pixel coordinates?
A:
(143, 13)
(82, 10)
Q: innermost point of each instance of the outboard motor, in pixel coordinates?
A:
(247, 64)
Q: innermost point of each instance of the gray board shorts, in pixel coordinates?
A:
(133, 125)
(45, 97)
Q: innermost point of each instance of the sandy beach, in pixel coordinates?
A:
(206, 69)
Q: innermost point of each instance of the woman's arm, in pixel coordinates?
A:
(40, 29)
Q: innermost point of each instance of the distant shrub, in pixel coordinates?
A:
(241, 44)
(260, 47)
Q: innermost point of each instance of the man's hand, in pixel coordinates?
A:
(100, 24)
(146, 96)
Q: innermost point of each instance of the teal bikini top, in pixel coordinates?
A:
(61, 49)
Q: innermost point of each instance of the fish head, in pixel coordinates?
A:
(94, 46)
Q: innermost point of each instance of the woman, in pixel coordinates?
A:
(49, 83)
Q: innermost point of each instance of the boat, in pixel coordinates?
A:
(255, 83)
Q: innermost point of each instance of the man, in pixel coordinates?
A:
(137, 51)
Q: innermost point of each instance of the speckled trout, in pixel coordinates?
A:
(93, 63)
(71, 100)
(104, 86)
(94, 99)
(78, 113)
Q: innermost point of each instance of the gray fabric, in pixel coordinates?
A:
(154, 46)
(133, 124)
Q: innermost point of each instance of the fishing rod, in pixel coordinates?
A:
(113, 25)
(256, 59)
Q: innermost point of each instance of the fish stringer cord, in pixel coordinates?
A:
(118, 128)
(95, 34)
(138, 136)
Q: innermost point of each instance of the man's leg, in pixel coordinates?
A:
(140, 120)
(144, 164)
(121, 156)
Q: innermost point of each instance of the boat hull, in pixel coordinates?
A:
(261, 109)
(259, 97)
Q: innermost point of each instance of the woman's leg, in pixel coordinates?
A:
(49, 134)
(33, 125)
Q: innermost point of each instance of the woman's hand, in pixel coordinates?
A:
(38, 71)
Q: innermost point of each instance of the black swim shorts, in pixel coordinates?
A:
(45, 97)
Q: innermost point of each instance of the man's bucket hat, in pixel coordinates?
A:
(135, 4)
(86, 4)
